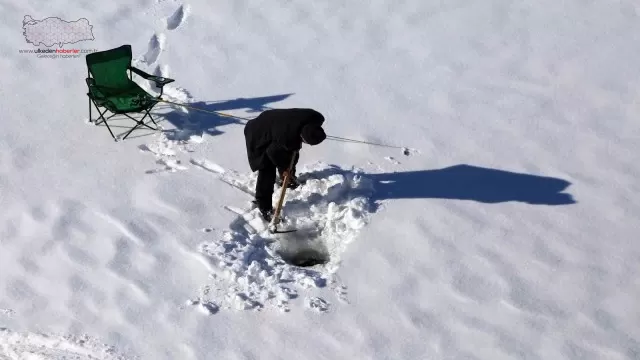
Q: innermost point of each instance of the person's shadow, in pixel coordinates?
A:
(459, 182)
(202, 118)
(467, 182)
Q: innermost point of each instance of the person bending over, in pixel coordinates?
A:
(273, 139)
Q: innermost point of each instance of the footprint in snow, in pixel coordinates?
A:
(392, 160)
(178, 17)
(144, 148)
(317, 304)
(168, 165)
(156, 46)
(341, 293)
(205, 307)
(410, 151)
(161, 71)
(7, 312)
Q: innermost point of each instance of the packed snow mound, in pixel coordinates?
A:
(257, 269)
(32, 346)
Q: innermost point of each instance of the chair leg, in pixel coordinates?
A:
(151, 108)
(100, 113)
(152, 120)
(103, 120)
(109, 128)
(138, 123)
(130, 131)
(144, 117)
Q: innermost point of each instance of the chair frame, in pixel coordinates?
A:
(146, 104)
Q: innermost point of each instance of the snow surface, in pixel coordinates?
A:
(501, 224)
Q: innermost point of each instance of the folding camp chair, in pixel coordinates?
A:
(111, 86)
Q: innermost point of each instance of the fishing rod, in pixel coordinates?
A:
(405, 150)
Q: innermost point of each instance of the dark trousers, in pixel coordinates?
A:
(266, 182)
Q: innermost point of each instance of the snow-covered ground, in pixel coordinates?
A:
(509, 230)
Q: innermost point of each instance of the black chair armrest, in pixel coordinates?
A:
(159, 80)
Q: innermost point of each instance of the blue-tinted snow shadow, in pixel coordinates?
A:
(468, 182)
(462, 182)
(205, 121)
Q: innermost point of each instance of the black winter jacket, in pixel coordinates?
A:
(275, 134)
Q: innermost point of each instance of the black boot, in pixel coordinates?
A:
(265, 211)
(267, 214)
(293, 182)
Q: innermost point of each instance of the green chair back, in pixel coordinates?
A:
(109, 68)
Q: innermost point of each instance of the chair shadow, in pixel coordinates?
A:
(468, 182)
(205, 121)
(463, 182)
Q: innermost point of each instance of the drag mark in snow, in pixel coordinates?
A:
(230, 177)
(208, 165)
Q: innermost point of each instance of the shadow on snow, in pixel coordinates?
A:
(207, 122)
(197, 122)
(465, 182)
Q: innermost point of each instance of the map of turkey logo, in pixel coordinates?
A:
(55, 31)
